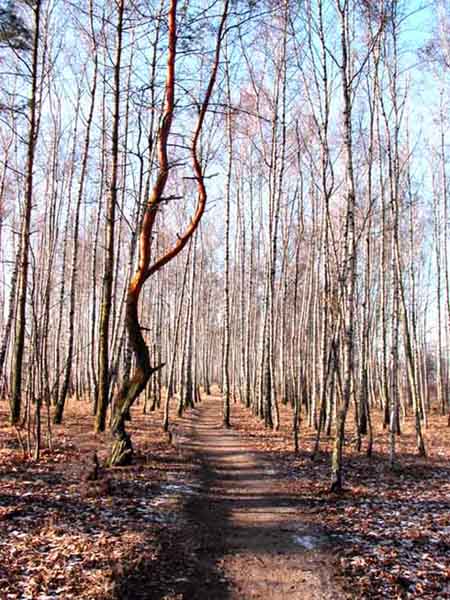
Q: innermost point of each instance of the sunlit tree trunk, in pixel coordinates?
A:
(21, 319)
(226, 392)
(348, 269)
(108, 267)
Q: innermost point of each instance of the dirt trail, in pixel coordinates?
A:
(251, 541)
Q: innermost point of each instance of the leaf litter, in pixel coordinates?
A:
(62, 537)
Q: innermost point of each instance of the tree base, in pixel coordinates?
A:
(57, 415)
(121, 452)
(336, 486)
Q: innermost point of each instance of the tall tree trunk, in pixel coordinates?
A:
(226, 323)
(349, 256)
(19, 340)
(108, 268)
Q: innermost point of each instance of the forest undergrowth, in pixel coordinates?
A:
(65, 535)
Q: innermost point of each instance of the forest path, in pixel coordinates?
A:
(251, 540)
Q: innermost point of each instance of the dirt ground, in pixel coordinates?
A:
(254, 533)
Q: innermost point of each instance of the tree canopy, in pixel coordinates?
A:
(14, 33)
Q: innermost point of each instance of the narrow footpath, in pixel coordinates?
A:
(251, 540)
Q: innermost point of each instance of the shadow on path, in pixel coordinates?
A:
(251, 541)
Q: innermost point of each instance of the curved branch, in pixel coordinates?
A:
(199, 175)
(161, 179)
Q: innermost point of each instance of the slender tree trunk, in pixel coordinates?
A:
(226, 324)
(349, 258)
(19, 341)
(107, 288)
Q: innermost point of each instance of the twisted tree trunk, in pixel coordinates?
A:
(122, 449)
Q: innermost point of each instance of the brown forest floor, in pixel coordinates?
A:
(222, 514)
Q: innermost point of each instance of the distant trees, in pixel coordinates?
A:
(437, 52)
(307, 279)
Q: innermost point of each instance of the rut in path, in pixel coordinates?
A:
(252, 530)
